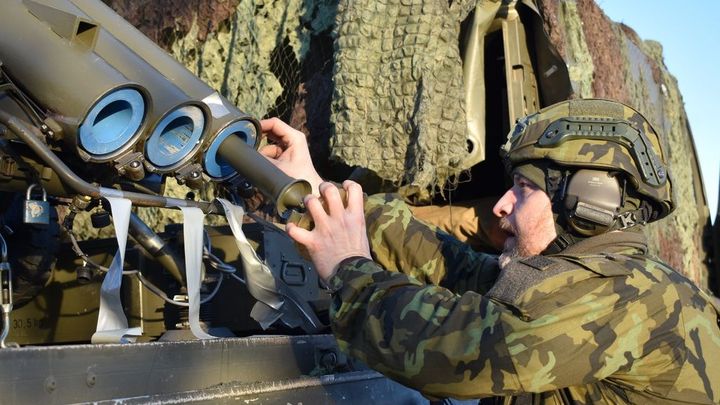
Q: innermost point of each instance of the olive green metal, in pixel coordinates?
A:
(522, 89)
(222, 110)
(14, 176)
(65, 311)
(162, 95)
(551, 70)
(114, 56)
(288, 193)
(165, 95)
(474, 78)
(164, 92)
(54, 60)
(144, 48)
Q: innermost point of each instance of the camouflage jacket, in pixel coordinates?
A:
(601, 322)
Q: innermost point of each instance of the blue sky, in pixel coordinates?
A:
(689, 32)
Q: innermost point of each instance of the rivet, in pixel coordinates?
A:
(50, 384)
(90, 379)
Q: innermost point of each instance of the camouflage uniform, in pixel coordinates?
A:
(600, 322)
(592, 320)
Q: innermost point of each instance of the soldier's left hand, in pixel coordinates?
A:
(290, 152)
(339, 233)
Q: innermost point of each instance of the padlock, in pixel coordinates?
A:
(36, 212)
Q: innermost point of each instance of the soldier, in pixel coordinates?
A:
(574, 310)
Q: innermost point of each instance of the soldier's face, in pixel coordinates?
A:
(525, 213)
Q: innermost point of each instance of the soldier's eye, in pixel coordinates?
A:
(522, 183)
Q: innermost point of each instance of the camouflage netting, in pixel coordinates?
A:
(251, 51)
(398, 106)
(396, 89)
(256, 53)
(276, 58)
(609, 60)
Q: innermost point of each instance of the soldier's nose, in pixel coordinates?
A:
(505, 204)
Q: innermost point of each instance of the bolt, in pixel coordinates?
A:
(90, 379)
(328, 360)
(50, 384)
(134, 164)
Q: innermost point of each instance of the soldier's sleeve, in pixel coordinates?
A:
(399, 242)
(539, 329)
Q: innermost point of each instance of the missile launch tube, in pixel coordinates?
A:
(223, 112)
(171, 108)
(53, 61)
(123, 49)
(145, 48)
(32, 137)
(161, 60)
(228, 122)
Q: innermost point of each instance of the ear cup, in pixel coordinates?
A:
(592, 200)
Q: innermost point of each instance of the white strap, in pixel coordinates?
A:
(193, 240)
(258, 277)
(112, 326)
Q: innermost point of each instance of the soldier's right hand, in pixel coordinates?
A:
(339, 231)
(289, 152)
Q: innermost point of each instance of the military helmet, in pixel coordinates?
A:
(597, 137)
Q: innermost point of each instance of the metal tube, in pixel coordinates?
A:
(156, 246)
(53, 64)
(145, 48)
(140, 60)
(222, 110)
(165, 93)
(287, 192)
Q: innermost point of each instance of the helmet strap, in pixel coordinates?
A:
(640, 216)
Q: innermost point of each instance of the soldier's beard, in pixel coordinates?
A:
(516, 245)
(515, 251)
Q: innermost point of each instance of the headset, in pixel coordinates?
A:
(591, 201)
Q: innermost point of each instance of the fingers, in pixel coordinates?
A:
(281, 132)
(316, 211)
(331, 195)
(338, 233)
(271, 151)
(355, 199)
(299, 235)
(273, 125)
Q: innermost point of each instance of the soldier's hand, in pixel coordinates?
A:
(339, 232)
(289, 152)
